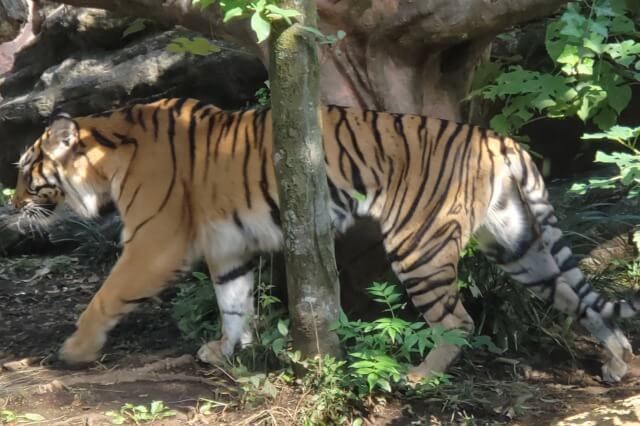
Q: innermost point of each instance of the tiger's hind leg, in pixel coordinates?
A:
(521, 237)
(233, 284)
(429, 274)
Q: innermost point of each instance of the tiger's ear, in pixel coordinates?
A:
(62, 135)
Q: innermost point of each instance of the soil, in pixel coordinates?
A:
(147, 359)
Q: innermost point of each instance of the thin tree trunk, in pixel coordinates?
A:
(312, 278)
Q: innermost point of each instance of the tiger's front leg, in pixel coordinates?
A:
(234, 292)
(140, 273)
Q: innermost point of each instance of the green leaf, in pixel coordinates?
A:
(500, 124)
(232, 13)
(358, 196)
(200, 276)
(275, 12)
(203, 3)
(260, 26)
(33, 417)
(605, 118)
(619, 97)
(282, 328)
(569, 55)
(135, 27)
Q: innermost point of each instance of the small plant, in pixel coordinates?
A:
(140, 413)
(6, 194)
(195, 309)
(9, 416)
(262, 13)
(263, 95)
(206, 406)
(627, 161)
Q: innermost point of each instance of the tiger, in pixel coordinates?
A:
(193, 181)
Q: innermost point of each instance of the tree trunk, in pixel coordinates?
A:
(312, 277)
(13, 15)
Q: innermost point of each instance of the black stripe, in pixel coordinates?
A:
(139, 300)
(235, 133)
(207, 160)
(133, 198)
(237, 221)
(154, 119)
(557, 246)
(171, 132)
(378, 139)
(127, 141)
(177, 107)
(426, 307)
(141, 119)
(264, 187)
(192, 144)
(245, 168)
(128, 115)
(198, 106)
(236, 273)
(399, 127)
(223, 131)
(569, 264)
(102, 140)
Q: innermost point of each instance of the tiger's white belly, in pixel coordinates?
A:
(227, 241)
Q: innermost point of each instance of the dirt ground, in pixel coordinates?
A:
(146, 359)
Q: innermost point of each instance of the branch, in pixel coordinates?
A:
(13, 15)
(416, 24)
(180, 12)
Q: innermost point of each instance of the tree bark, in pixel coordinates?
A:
(13, 15)
(312, 277)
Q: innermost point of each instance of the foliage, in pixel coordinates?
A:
(627, 162)
(140, 413)
(197, 46)
(10, 416)
(195, 309)
(136, 26)
(6, 194)
(596, 58)
(262, 13)
(379, 354)
(263, 95)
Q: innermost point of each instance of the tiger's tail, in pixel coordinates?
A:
(521, 234)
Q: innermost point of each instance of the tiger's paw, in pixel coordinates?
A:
(79, 351)
(213, 353)
(614, 370)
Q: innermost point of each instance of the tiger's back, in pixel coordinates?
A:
(191, 181)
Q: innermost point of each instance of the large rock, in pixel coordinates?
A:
(81, 63)
(13, 15)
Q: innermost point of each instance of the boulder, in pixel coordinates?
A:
(82, 63)
(13, 15)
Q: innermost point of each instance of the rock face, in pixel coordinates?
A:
(9, 48)
(13, 15)
(81, 63)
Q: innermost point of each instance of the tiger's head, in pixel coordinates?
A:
(48, 174)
